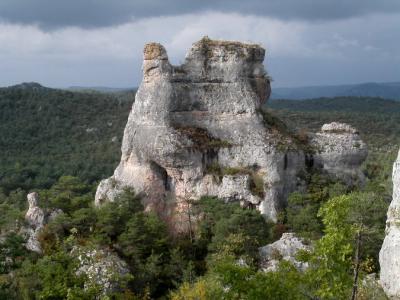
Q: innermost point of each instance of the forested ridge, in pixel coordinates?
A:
(46, 133)
(60, 143)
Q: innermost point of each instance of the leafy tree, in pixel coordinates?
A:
(352, 223)
(331, 261)
(52, 277)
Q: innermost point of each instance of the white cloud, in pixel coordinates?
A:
(112, 55)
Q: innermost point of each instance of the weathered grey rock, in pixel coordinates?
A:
(103, 268)
(35, 215)
(340, 152)
(285, 248)
(389, 256)
(205, 112)
(36, 219)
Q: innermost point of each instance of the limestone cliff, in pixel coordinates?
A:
(197, 129)
(389, 256)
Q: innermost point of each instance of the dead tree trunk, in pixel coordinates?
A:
(356, 266)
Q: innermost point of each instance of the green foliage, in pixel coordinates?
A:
(302, 215)
(302, 209)
(46, 133)
(52, 277)
(112, 217)
(219, 219)
(228, 279)
(67, 194)
(331, 261)
(12, 252)
(347, 219)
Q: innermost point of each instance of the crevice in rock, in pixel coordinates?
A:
(309, 160)
(285, 162)
(163, 174)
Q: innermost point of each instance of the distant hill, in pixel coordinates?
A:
(101, 89)
(387, 90)
(46, 133)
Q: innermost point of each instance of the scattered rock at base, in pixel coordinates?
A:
(285, 248)
(103, 268)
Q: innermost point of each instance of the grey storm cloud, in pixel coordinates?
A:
(53, 14)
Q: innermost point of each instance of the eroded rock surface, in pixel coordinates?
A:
(285, 248)
(389, 256)
(196, 129)
(188, 118)
(340, 152)
(36, 218)
(103, 268)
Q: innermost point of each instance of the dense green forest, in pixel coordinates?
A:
(60, 143)
(46, 133)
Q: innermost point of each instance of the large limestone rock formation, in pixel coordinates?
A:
(190, 120)
(197, 129)
(389, 256)
(339, 151)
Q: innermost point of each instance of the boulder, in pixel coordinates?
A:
(285, 248)
(103, 268)
(389, 256)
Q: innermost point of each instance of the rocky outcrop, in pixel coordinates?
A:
(102, 268)
(197, 129)
(285, 248)
(187, 119)
(339, 151)
(36, 219)
(389, 256)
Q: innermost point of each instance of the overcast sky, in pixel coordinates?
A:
(61, 43)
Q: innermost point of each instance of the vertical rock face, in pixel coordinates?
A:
(201, 116)
(340, 152)
(389, 256)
